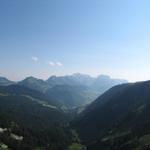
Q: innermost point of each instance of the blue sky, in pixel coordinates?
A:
(46, 37)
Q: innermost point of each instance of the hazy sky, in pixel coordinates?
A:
(45, 37)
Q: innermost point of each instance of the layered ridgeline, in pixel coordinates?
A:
(73, 90)
(118, 120)
(29, 120)
(5, 82)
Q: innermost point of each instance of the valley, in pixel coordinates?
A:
(63, 118)
(35, 118)
(74, 75)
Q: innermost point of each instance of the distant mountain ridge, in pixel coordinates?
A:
(34, 83)
(71, 90)
(5, 82)
(75, 79)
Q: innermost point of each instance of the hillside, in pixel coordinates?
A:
(72, 96)
(119, 119)
(29, 120)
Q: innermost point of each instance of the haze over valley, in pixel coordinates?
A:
(74, 75)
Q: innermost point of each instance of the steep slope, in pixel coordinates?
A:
(71, 96)
(103, 82)
(30, 120)
(5, 82)
(119, 119)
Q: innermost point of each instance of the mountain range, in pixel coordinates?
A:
(62, 116)
(72, 90)
(36, 112)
